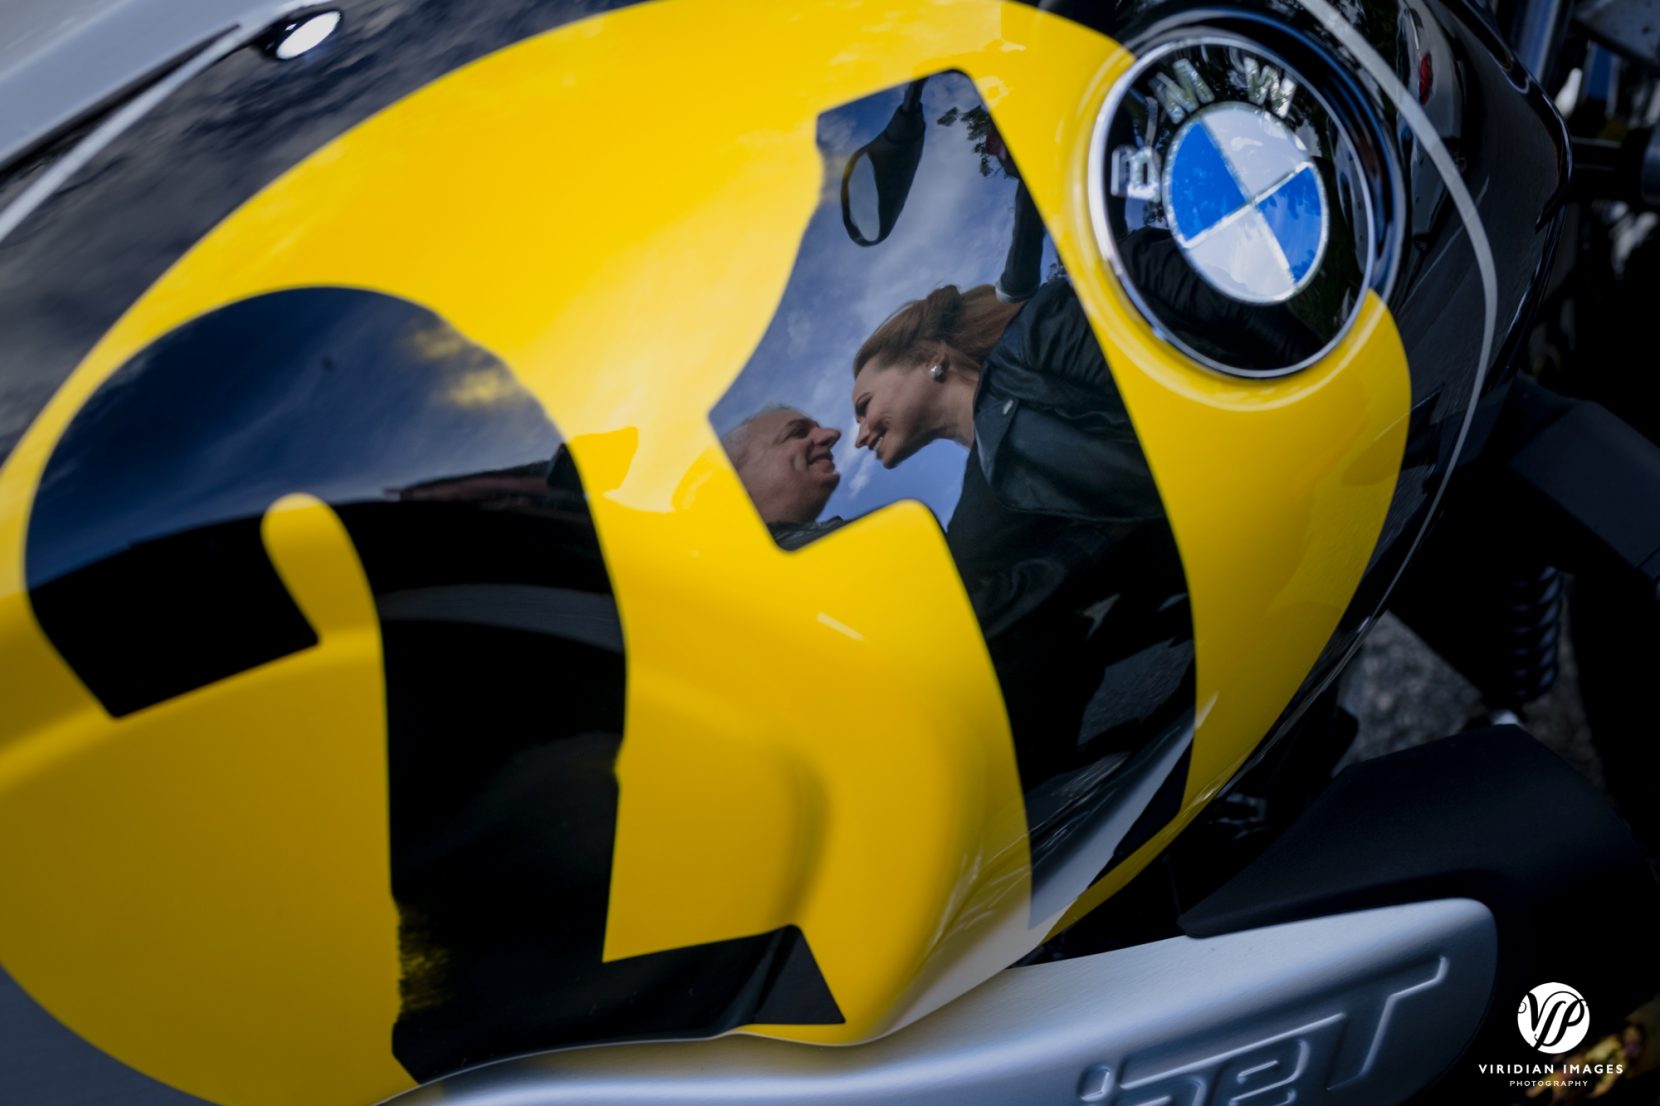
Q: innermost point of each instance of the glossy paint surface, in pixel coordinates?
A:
(1459, 258)
(815, 742)
(1050, 514)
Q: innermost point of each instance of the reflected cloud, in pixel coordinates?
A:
(857, 465)
(485, 387)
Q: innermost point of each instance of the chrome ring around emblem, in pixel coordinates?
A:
(1258, 210)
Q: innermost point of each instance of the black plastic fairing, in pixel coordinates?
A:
(1489, 815)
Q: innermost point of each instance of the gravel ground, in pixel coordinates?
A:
(1404, 694)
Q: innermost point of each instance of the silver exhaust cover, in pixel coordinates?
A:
(1357, 1008)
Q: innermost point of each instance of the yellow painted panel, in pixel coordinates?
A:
(626, 295)
(201, 888)
(1274, 487)
(1273, 548)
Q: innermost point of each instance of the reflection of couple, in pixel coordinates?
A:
(1058, 534)
(1058, 522)
(1024, 386)
(783, 457)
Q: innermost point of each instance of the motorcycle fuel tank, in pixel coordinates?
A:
(545, 524)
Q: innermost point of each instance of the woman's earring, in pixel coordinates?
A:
(938, 371)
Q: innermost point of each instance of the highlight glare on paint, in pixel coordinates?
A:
(304, 37)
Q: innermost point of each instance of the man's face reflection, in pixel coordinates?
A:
(783, 458)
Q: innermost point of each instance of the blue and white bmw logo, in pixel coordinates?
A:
(1232, 204)
(1246, 203)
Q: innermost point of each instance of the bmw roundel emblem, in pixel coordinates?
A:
(1230, 201)
(1245, 203)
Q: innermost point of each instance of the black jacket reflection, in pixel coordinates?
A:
(1063, 544)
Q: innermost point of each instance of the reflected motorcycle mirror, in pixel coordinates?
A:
(878, 177)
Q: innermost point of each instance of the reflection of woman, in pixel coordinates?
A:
(1059, 534)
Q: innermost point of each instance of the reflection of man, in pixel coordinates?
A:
(783, 458)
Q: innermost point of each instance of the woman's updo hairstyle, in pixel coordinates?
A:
(969, 322)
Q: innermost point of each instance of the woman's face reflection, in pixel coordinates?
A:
(895, 403)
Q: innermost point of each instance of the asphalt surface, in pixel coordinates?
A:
(1402, 693)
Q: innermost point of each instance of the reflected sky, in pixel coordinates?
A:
(348, 395)
(75, 265)
(955, 229)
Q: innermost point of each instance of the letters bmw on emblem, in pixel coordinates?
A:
(1232, 205)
